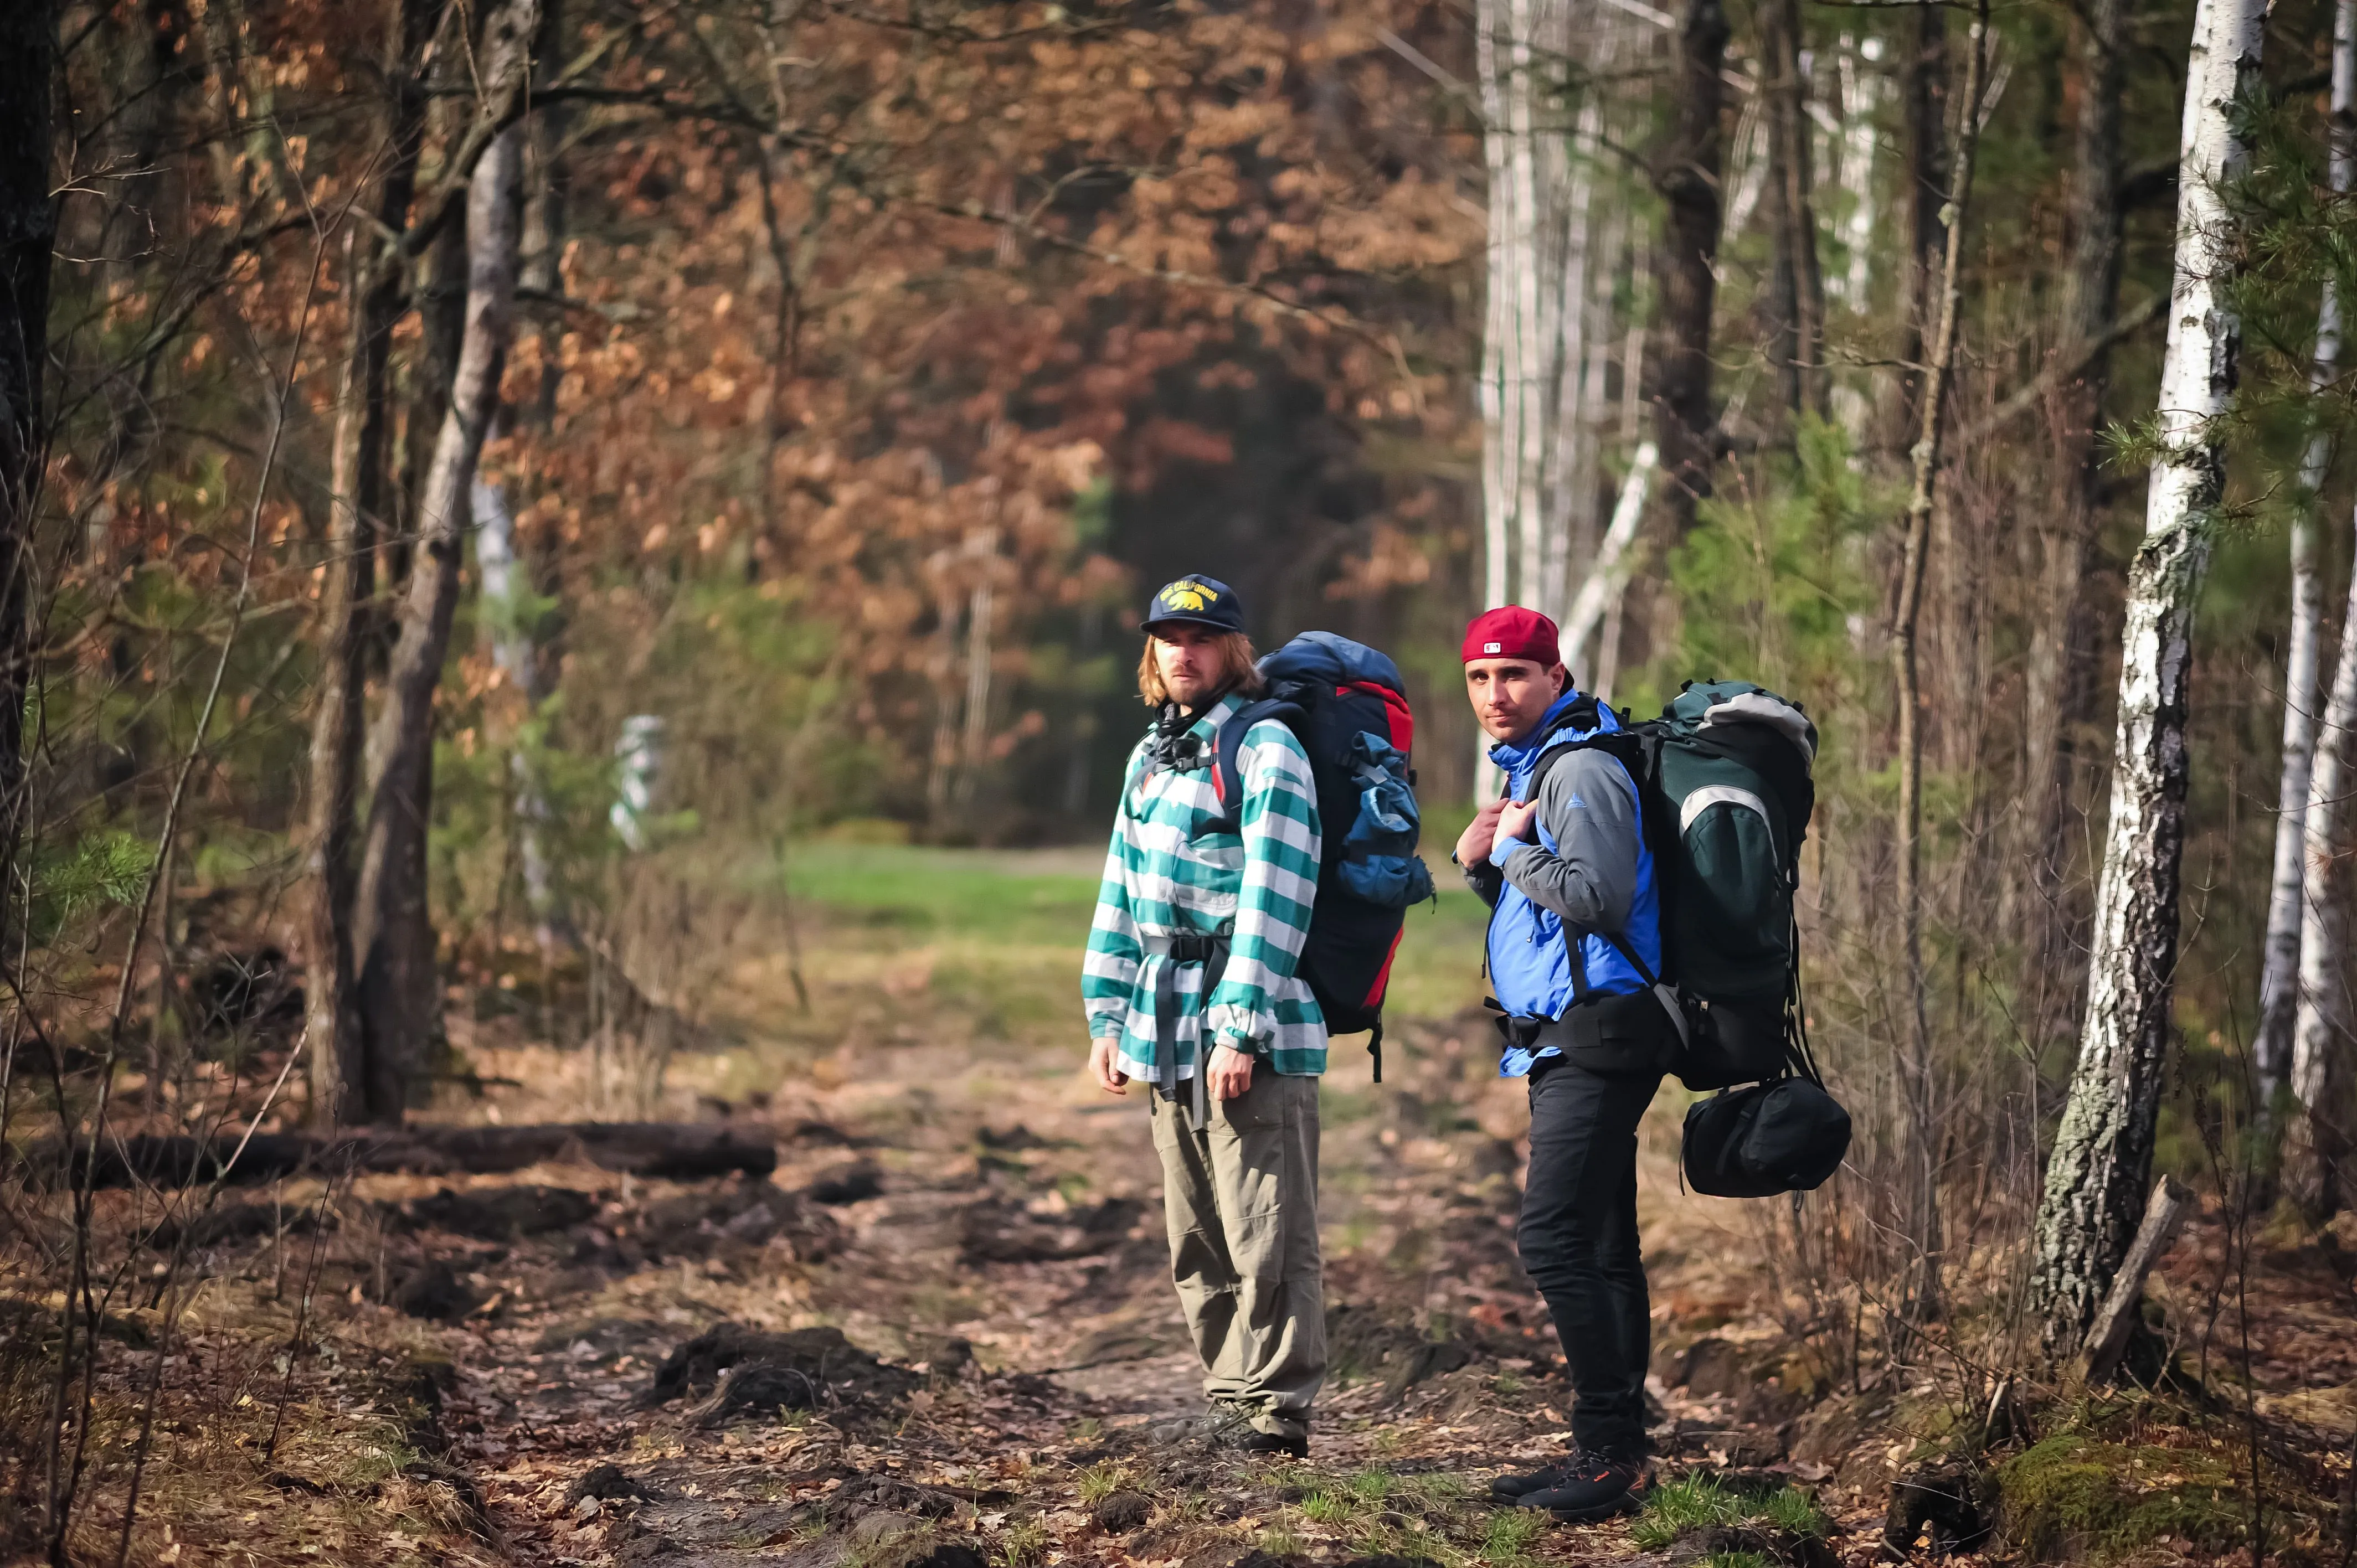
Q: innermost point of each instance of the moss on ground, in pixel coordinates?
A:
(2072, 1496)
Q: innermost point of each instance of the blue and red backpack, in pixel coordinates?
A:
(1346, 705)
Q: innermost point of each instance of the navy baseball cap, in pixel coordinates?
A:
(1203, 601)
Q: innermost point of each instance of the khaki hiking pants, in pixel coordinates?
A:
(1240, 1194)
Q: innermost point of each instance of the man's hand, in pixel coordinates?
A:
(1519, 819)
(1230, 1073)
(1473, 845)
(1104, 1057)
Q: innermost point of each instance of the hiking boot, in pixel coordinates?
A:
(1592, 1486)
(1213, 1426)
(1278, 1436)
(1512, 1489)
(1236, 1429)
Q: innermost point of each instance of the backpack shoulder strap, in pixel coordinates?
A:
(1624, 745)
(1227, 775)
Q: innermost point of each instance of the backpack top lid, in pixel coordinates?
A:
(1330, 659)
(1708, 704)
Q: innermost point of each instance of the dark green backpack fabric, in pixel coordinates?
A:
(1723, 782)
(1734, 776)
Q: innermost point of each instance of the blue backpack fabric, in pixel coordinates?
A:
(1346, 703)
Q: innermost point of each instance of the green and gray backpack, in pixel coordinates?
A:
(1724, 780)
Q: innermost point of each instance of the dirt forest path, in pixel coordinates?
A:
(962, 1245)
(935, 1335)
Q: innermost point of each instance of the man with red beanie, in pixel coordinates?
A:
(1574, 950)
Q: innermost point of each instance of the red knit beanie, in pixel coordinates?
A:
(1513, 632)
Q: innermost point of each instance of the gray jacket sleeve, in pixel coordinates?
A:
(1589, 806)
(1484, 879)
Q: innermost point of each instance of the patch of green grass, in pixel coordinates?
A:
(1280, 1543)
(1021, 1544)
(1511, 1534)
(1795, 1512)
(1373, 1485)
(1509, 1383)
(1103, 1479)
(1438, 1489)
(1088, 1429)
(1676, 1508)
(1322, 1507)
(1680, 1508)
(923, 889)
(1380, 1538)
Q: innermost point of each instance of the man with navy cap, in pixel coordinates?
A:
(1190, 987)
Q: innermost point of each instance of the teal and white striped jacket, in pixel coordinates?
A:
(1163, 877)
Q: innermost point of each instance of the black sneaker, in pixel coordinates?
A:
(1513, 1488)
(1593, 1486)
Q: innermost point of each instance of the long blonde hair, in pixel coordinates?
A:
(1238, 669)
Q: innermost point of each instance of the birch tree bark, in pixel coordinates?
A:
(2317, 1141)
(393, 935)
(507, 599)
(2279, 976)
(1523, 346)
(2102, 1163)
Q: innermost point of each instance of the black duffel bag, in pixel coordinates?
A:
(1785, 1136)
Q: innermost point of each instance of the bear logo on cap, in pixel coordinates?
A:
(1186, 596)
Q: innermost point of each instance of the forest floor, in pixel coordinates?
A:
(935, 1337)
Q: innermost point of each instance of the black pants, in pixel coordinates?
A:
(1578, 1242)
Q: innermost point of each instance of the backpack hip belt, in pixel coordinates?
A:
(1209, 948)
(1589, 1030)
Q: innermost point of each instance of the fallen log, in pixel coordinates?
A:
(676, 1150)
(2107, 1337)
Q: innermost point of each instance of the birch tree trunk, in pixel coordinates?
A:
(393, 935)
(1609, 572)
(2102, 1163)
(1536, 283)
(506, 597)
(2317, 1141)
(2279, 976)
(2059, 684)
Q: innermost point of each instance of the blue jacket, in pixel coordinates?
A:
(1589, 871)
